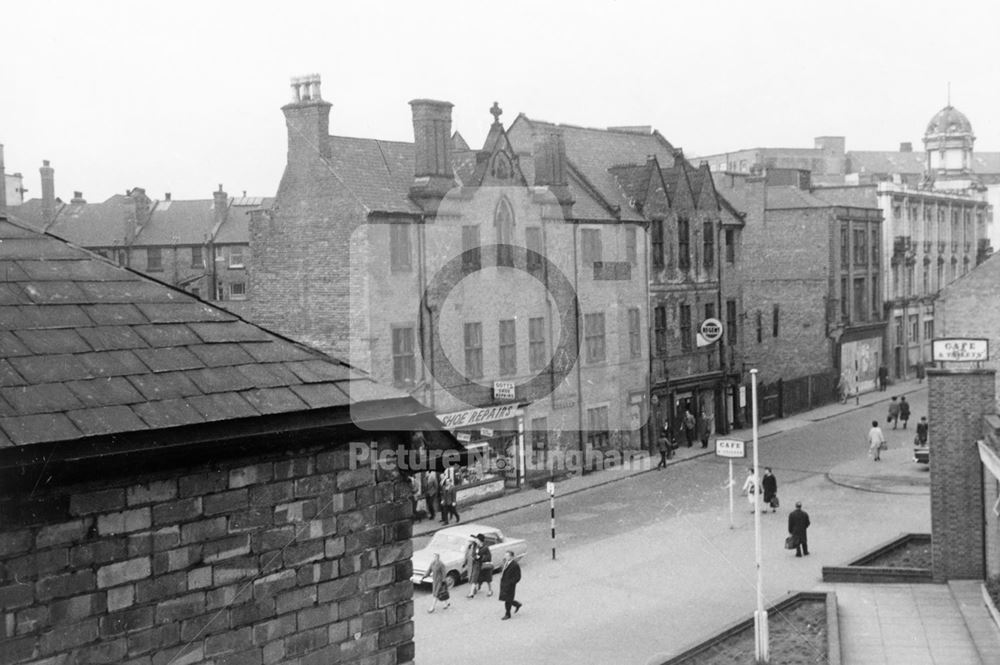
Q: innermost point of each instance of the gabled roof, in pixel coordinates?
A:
(178, 222)
(235, 228)
(89, 349)
(378, 173)
(103, 224)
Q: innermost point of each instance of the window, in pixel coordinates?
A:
(593, 330)
(399, 247)
(656, 243)
(760, 326)
(533, 242)
(926, 275)
(597, 427)
(660, 329)
(775, 317)
(899, 329)
(503, 220)
(731, 322)
(730, 246)
(508, 348)
(590, 240)
(860, 247)
(875, 247)
(909, 279)
(220, 253)
(154, 259)
(708, 244)
(197, 258)
(876, 300)
(630, 245)
(928, 220)
(536, 344)
(685, 328)
(928, 329)
(940, 276)
(844, 246)
(473, 333)
(860, 312)
(236, 256)
(195, 291)
(843, 297)
(634, 333)
(683, 244)
(471, 258)
(914, 331)
(403, 361)
(238, 290)
(540, 439)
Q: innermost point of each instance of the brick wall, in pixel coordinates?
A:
(290, 558)
(957, 402)
(991, 493)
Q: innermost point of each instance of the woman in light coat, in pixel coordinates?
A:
(750, 489)
(439, 584)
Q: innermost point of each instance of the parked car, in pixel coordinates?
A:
(921, 451)
(453, 542)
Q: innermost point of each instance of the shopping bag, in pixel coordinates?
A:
(790, 543)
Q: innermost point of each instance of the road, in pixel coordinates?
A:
(649, 565)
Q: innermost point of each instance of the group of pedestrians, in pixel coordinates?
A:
(798, 519)
(439, 495)
(899, 412)
(691, 429)
(479, 561)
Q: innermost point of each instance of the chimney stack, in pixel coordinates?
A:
(166, 196)
(48, 192)
(307, 117)
(77, 198)
(432, 173)
(906, 147)
(220, 205)
(550, 164)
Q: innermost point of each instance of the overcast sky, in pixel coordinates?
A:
(181, 96)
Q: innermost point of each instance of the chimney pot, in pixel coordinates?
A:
(308, 120)
(906, 147)
(432, 172)
(167, 196)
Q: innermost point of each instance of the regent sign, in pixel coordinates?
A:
(710, 332)
(960, 350)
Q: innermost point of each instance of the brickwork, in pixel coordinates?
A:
(957, 402)
(281, 558)
(991, 495)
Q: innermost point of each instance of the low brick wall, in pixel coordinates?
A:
(860, 572)
(267, 558)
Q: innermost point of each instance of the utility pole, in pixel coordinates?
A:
(760, 616)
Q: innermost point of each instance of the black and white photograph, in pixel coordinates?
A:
(618, 332)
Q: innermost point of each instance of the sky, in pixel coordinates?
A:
(184, 96)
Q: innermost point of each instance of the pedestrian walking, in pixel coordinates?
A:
(922, 428)
(431, 489)
(750, 489)
(843, 388)
(921, 371)
(482, 566)
(448, 495)
(876, 441)
(510, 575)
(883, 377)
(706, 428)
(798, 523)
(663, 445)
(770, 486)
(893, 413)
(439, 584)
(418, 514)
(904, 410)
(690, 423)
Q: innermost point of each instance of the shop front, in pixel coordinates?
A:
(702, 396)
(494, 439)
(860, 358)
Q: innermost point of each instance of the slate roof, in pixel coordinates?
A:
(90, 349)
(188, 222)
(236, 227)
(378, 173)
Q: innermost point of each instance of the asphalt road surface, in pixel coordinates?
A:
(649, 565)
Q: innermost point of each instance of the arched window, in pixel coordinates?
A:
(501, 167)
(503, 220)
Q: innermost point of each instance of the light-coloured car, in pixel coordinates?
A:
(452, 544)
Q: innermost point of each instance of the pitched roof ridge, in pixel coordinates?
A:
(575, 172)
(369, 138)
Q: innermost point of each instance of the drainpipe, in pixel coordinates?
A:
(579, 360)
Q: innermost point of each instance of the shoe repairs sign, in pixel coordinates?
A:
(960, 350)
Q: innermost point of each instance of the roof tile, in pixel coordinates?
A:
(12, 294)
(167, 359)
(112, 363)
(364, 390)
(83, 270)
(23, 430)
(11, 345)
(108, 338)
(269, 352)
(132, 291)
(105, 392)
(5, 441)
(106, 420)
(45, 369)
(8, 375)
(215, 355)
(53, 341)
(183, 312)
(164, 334)
(269, 375)
(113, 315)
(166, 385)
(45, 293)
(318, 371)
(220, 379)
(33, 317)
(168, 413)
(274, 400)
(32, 248)
(222, 406)
(42, 398)
(320, 395)
(231, 331)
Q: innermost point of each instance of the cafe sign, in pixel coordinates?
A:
(730, 448)
(960, 350)
(477, 416)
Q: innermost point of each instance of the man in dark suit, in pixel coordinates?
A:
(509, 577)
(798, 522)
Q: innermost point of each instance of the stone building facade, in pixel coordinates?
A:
(180, 486)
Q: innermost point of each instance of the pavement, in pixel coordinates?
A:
(883, 624)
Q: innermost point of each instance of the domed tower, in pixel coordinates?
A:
(948, 142)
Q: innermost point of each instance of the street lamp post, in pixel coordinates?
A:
(760, 616)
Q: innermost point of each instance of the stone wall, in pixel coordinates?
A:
(265, 558)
